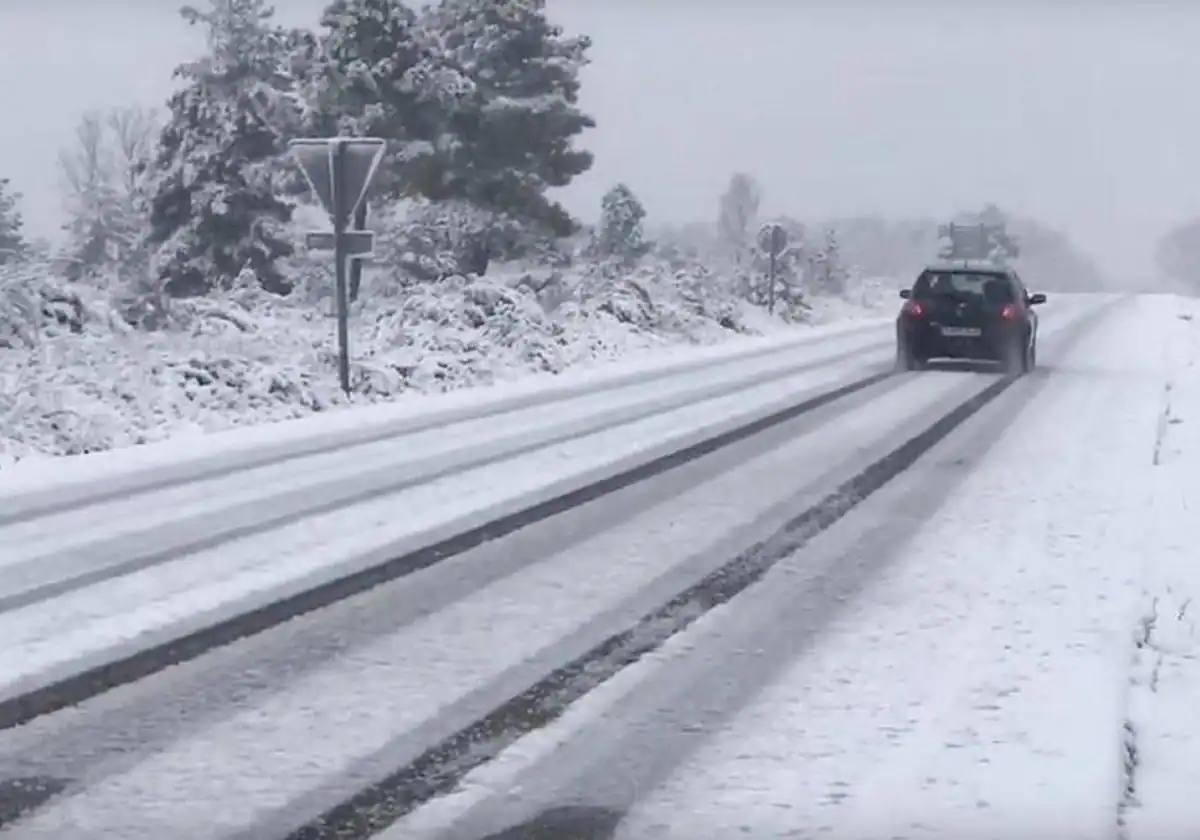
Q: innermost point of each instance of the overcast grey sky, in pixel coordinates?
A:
(1084, 115)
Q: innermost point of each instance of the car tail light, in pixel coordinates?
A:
(1009, 312)
(914, 310)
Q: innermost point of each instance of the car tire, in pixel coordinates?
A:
(1015, 358)
(906, 360)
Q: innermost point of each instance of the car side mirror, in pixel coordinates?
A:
(906, 293)
(1034, 300)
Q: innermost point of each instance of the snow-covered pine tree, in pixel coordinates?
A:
(620, 231)
(12, 243)
(831, 273)
(215, 181)
(519, 125)
(380, 75)
(737, 214)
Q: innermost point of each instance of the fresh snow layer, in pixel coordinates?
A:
(1023, 661)
(1164, 701)
(195, 587)
(206, 507)
(439, 660)
(978, 688)
(186, 451)
(979, 685)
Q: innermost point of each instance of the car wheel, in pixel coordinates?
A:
(906, 359)
(1016, 358)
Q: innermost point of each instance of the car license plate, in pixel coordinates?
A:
(962, 332)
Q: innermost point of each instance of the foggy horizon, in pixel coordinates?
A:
(1080, 122)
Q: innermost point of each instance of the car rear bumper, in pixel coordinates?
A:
(926, 342)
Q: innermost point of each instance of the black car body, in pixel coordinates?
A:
(968, 312)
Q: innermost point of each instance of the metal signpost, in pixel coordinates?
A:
(356, 266)
(339, 170)
(772, 239)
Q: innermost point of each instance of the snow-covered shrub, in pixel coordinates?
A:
(461, 331)
(708, 295)
(421, 241)
(83, 380)
(20, 308)
(12, 241)
(36, 303)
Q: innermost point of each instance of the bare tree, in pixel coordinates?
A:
(86, 167)
(737, 213)
(101, 178)
(133, 131)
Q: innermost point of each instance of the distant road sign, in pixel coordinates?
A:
(772, 238)
(358, 244)
(319, 161)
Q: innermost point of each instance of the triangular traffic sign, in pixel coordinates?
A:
(342, 192)
(316, 163)
(360, 161)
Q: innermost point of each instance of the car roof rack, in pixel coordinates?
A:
(969, 264)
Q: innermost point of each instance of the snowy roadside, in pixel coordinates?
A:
(247, 360)
(1163, 738)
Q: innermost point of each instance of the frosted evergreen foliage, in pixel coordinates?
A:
(217, 201)
(518, 127)
(380, 75)
(12, 243)
(620, 232)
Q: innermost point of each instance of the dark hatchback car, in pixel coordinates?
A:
(968, 313)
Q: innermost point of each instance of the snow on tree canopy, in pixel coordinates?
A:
(12, 244)
(382, 76)
(217, 178)
(620, 232)
(520, 123)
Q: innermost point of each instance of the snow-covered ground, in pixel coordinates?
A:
(1001, 642)
(244, 358)
(1021, 660)
(286, 526)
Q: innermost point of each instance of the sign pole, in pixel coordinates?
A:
(339, 257)
(771, 286)
(356, 267)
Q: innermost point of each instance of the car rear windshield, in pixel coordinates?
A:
(991, 287)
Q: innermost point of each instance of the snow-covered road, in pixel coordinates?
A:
(999, 641)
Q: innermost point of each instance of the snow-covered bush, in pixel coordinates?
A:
(462, 331)
(83, 380)
(36, 304)
(12, 242)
